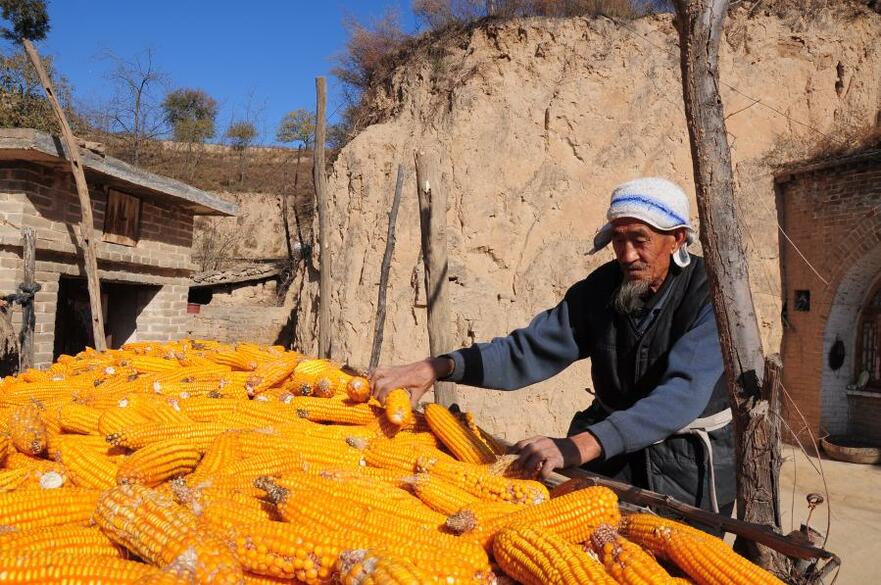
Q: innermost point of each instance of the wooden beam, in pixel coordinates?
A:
(433, 225)
(319, 177)
(699, 23)
(379, 324)
(86, 229)
(28, 285)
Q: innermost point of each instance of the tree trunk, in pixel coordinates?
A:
(699, 23)
(433, 226)
(379, 325)
(28, 320)
(86, 229)
(320, 179)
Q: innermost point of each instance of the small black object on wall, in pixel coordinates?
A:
(837, 354)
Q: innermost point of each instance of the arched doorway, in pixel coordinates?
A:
(868, 349)
(858, 286)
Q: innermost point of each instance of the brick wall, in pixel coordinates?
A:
(833, 217)
(238, 323)
(45, 199)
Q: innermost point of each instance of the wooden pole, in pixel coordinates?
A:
(379, 325)
(433, 225)
(320, 179)
(87, 225)
(699, 23)
(28, 285)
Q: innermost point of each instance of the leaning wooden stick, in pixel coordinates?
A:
(379, 325)
(86, 229)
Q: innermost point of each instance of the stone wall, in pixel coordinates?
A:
(45, 199)
(831, 215)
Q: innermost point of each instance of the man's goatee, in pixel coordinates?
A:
(631, 296)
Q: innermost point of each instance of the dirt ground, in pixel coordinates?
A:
(855, 503)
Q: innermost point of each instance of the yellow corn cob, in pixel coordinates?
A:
(318, 378)
(272, 373)
(626, 561)
(20, 394)
(78, 418)
(164, 533)
(333, 411)
(115, 420)
(157, 409)
(308, 552)
(477, 480)
(159, 461)
(234, 360)
(36, 468)
(5, 443)
(487, 439)
(478, 515)
(200, 435)
(304, 507)
(48, 568)
(24, 509)
(403, 456)
(705, 559)
(26, 429)
(440, 495)
(87, 467)
(272, 463)
(316, 451)
(363, 567)
(222, 453)
(82, 540)
(458, 438)
(253, 579)
(411, 509)
(536, 557)
(287, 551)
(148, 364)
(12, 479)
(358, 389)
(203, 409)
(398, 410)
(573, 516)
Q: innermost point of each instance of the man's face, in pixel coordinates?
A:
(644, 252)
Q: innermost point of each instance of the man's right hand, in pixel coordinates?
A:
(417, 377)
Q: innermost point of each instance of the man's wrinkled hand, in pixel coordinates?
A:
(545, 454)
(417, 378)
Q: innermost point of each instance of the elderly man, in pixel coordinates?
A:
(660, 419)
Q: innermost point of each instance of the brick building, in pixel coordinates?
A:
(831, 210)
(143, 231)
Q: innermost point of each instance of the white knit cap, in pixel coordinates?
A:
(657, 202)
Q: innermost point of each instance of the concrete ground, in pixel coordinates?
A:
(855, 503)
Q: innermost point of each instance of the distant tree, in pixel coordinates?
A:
(297, 126)
(191, 113)
(23, 104)
(134, 111)
(367, 47)
(28, 18)
(241, 136)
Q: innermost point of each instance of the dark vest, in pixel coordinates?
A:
(627, 365)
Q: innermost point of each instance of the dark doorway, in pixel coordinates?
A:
(121, 304)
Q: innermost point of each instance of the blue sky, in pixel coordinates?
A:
(262, 54)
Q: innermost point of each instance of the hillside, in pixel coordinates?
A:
(535, 121)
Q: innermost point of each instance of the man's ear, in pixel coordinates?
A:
(680, 236)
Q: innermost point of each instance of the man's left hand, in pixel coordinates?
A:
(545, 454)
